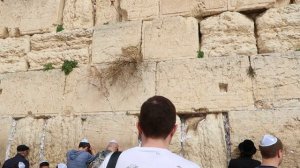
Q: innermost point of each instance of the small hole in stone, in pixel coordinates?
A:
(0, 91)
(223, 87)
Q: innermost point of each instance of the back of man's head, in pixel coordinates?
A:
(157, 117)
(44, 164)
(270, 146)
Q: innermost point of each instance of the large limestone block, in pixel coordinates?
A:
(242, 5)
(139, 9)
(87, 91)
(214, 83)
(229, 33)
(29, 16)
(283, 123)
(278, 29)
(29, 131)
(110, 41)
(13, 54)
(35, 93)
(205, 143)
(193, 7)
(104, 127)
(5, 129)
(56, 47)
(276, 83)
(170, 38)
(62, 133)
(78, 14)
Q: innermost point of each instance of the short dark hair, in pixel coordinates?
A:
(44, 164)
(271, 151)
(22, 148)
(157, 117)
(84, 144)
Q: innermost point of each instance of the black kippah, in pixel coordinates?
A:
(21, 148)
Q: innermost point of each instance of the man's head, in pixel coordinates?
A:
(271, 148)
(157, 118)
(84, 144)
(44, 164)
(247, 148)
(23, 150)
(112, 146)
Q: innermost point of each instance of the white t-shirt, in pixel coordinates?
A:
(149, 157)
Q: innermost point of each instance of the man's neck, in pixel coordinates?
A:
(155, 142)
(269, 162)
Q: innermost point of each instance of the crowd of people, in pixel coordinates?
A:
(156, 127)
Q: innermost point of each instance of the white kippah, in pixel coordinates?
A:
(44, 161)
(62, 165)
(113, 141)
(84, 140)
(268, 140)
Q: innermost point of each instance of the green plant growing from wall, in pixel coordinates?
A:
(200, 54)
(298, 49)
(59, 28)
(68, 66)
(48, 67)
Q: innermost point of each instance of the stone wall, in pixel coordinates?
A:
(246, 84)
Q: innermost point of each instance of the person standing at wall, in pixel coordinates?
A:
(247, 150)
(19, 161)
(156, 125)
(82, 157)
(271, 149)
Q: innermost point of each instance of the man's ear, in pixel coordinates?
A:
(280, 153)
(138, 126)
(173, 130)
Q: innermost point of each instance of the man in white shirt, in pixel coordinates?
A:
(156, 127)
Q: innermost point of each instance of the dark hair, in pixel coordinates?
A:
(22, 148)
(271, 151)
(83, 145)
(44, 164)
(157, 117)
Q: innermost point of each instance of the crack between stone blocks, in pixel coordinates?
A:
(227, 135)
(252, 82)
(65, 85)
(156, 78)
(94, 11)
(10, 138)
(42, 142)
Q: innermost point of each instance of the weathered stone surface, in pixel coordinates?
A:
(13, 54)
(278, 29)
(3, 32)
(205, 142)
(6, 123)
(283, 123)
(65, 131)
(297, 1)
(110, 40)
(122, 128)
(107, 12)
(276, 83)
(170, 38)
(229, 33)
(78, 14)
(29, 131)
(139, 9)
(192, 7)
(56, 47)
(214, 83)
(31, 93)
(30, 16)
(87, 91)
(242, 5)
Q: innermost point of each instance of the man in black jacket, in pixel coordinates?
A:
(19, 161)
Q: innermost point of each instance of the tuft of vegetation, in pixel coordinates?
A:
(68, 66)
(250, 72)
(298, 49)
(200, 54)
(48, 67)
(59, 28)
